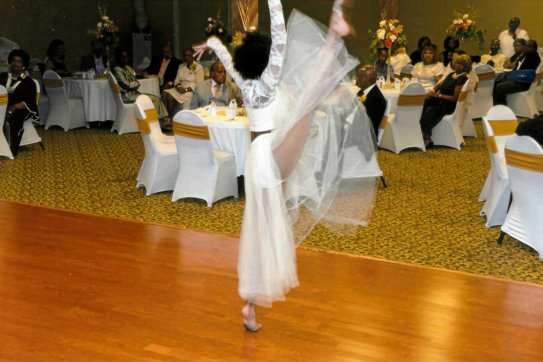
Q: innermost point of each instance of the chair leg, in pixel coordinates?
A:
(500, 239)
(383, 181)
(43, 148)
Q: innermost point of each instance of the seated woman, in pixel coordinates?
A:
(55, 58)
(189, 74)
(442, 101)
(450, 68)
(126, 77)
(398, 59)
(518, 45)
(494, 59)
(21, 98)
(416, 56)
(450, 44)
(381, 64)
(429, 71)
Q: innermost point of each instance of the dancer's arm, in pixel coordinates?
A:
(289, 151)
(214, 44)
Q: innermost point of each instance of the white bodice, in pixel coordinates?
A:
(261, 119)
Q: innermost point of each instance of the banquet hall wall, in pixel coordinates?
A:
(34, 23)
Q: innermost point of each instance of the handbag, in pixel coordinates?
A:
(522, 76)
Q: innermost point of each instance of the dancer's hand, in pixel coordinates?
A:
(200, 49)
(338, 24)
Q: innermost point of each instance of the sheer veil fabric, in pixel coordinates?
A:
(273, 224)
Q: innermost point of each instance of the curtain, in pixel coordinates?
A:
(392, 8)
(244, 9)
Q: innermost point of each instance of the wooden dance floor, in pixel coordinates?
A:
(78, 287)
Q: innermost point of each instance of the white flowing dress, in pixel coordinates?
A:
(293, 85)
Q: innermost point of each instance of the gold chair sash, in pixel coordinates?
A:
(491, 144)
(526, 161)
(411, 101)
(504, 128)
(384, 122)
(37, 98)
(150, 117)
(186, 130)
(462, 97)
(115, 88)
(476, 87)
(53, 83)
(3, 99)
(486, 76)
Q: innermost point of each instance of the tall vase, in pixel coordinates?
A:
(388, 81)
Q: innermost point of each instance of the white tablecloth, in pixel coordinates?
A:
(232, 136)
(98, 99)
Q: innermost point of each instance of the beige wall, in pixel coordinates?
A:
(432, 17)
(34, 23)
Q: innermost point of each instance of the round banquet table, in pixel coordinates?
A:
(229, 135)
(98, 99)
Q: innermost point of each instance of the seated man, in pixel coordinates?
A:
(164, 66)
(215, 89)
(529, 60)
(532, 128)
(97, 60)
(494, 58)
(372, 98)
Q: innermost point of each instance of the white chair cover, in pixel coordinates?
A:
(498, 196)
(160, 165)
(483, 92)
(125, 121)
(4, 147)
(447, 132)
(524, 104)
(467, 127)
(523, 222)
(402, 130)
(383, 124)
(406, 71)
(539, 96)
(65, 112)
(30, 135)
(203, 173)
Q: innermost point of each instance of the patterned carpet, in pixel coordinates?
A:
(428, 215)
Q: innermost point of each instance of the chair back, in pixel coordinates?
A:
(147, 117)
(524, 158)
(499, 125)
(410, 103)
(56, 92)
(406, 71)
(4, 147)
(384, 123)
(34, 69)
(192, 140)
(115, 89)
(459, 112)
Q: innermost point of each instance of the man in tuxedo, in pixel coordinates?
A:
(530, 59)
(371, 96)
(215, 89)
(164, 66)
(97, 60)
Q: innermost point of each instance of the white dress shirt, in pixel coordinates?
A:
(506, 41)
(367, 90)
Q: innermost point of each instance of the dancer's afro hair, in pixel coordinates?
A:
(253, 55)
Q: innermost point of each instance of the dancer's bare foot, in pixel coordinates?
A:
(249, 318)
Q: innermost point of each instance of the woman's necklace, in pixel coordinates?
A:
(9, 87)
(456, 76)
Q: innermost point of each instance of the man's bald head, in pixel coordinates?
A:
(366, 77)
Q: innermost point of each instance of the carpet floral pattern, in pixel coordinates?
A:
(428, 215)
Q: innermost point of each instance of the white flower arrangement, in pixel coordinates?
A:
(381, 33)
(466, 16)
(105, 18)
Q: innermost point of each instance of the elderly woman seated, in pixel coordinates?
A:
(518, 45)
(450, 68)
(189, 74)
(429, 71)
(126, 77)
(494, 59)
(442, 100)
(21, 98)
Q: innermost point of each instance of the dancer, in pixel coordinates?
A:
(297, 154)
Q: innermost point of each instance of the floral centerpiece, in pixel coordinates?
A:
(464, 28)
(106, 32)
(215, 27)
(390, 33)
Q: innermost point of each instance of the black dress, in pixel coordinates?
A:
(23, 89)
(60, 66)
(437, 108)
